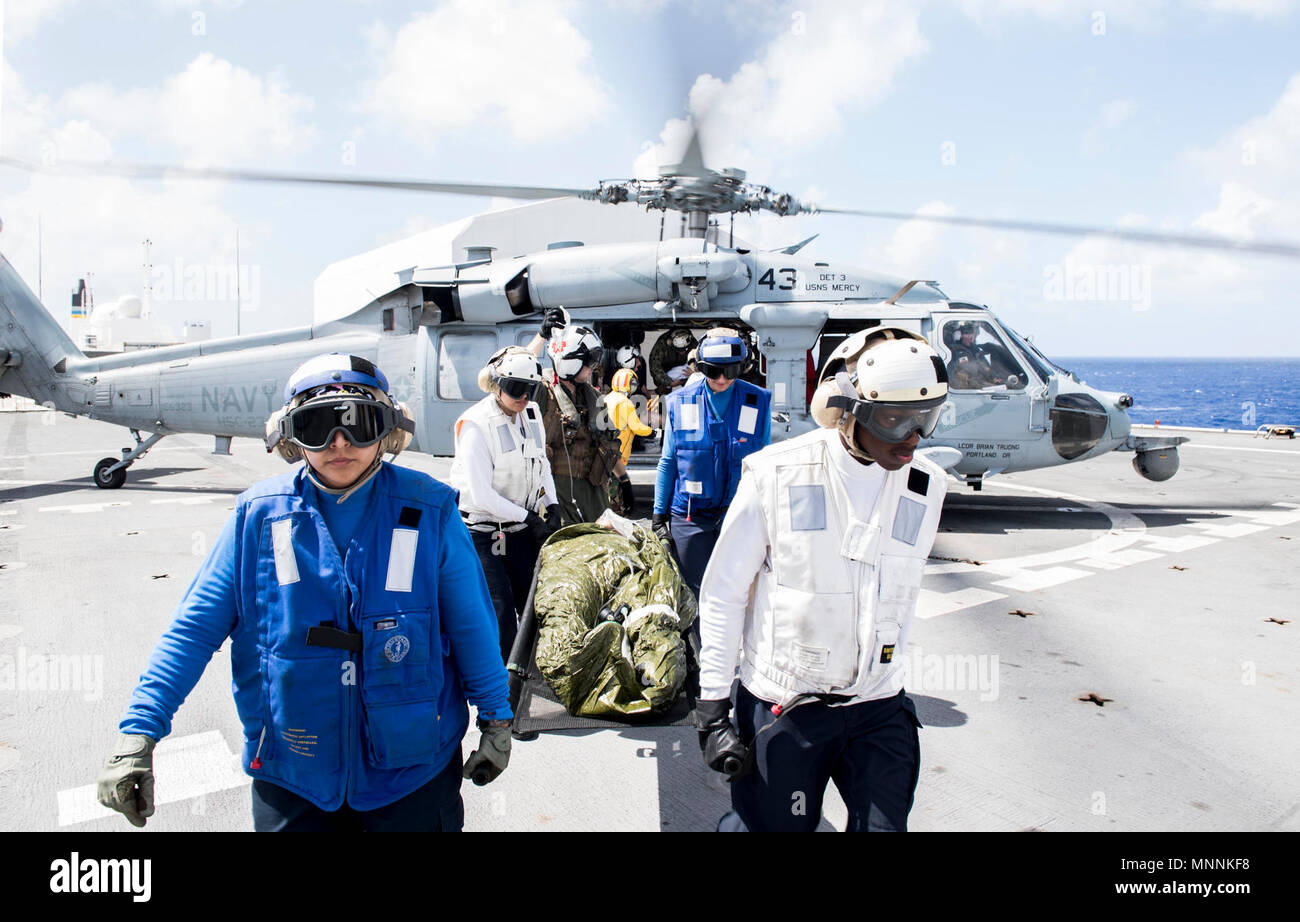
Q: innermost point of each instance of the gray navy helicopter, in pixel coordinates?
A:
(431, 327)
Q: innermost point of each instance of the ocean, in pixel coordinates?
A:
(1215, 393)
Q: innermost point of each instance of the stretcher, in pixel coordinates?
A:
(604, 668)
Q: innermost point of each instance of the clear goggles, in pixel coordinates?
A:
(729, 371)
(363, 422)
(894, 422)
(518, 387)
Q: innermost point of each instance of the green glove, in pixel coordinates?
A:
(126, 781)
(492, 755)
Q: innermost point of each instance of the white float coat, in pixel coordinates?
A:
(728, 589)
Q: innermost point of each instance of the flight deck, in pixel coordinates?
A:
(1092, 651)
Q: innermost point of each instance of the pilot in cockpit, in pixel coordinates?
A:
(976, 363)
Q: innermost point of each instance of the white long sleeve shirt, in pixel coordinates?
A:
(472, 444)
(743, 544)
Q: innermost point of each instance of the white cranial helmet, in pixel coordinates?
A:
(886, 379)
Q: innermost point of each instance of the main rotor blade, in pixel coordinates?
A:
(155, 171)
(1197, 241)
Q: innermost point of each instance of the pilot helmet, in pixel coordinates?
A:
(627, 356)
(574, 349)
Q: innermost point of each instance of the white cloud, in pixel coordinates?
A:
(93, 227)
(914, 246)
(25, 17)
(212, 112)
(1103, 125)
(834, 60)
(521, 63)
(1146, 15)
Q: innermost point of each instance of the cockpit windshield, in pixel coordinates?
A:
(978, 360)
(1042, 364)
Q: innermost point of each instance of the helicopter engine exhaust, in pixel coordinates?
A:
(1157, 465)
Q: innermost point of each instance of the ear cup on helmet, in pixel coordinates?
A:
(837, 385)
(399, 439)
(282, 447)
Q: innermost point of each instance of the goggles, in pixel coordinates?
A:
(363, 422)
(730, 371)
(893, 422)
(518, 387)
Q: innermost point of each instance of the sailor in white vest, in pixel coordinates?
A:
(811, 590)
(505, 481)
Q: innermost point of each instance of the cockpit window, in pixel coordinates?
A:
(978, 358)
(1041, 363)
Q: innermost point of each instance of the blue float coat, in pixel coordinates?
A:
(666, 474)
(225, 600)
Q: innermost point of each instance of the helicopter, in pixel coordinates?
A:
(431, 325)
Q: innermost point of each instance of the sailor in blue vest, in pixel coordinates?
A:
(359, 623)
(714, 423)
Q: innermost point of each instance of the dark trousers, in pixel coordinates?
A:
(508, 566)
(694, 541)
(435, 807)
(870, 750)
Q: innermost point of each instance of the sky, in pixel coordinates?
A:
(1155, 114)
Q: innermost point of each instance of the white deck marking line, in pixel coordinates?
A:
(82, 508)
(1033, 580)
(1287, 517)
(8, 511)
(186, 766)
(1176, 545)
(182, 500)
(1229, 531)
(10, 630)
(1271, 451)
(1119, 559)
(931, 604)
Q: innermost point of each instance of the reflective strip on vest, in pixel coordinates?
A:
(286, 564)
(401, 560)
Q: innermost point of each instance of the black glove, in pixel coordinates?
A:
(492, 756)
(543, 528)
(554, 317)
(625, 492)
(659, 525)
(721, 745)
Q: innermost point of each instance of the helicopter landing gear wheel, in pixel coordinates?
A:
(107, 479)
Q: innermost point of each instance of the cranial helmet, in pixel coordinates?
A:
(624, 381)
(350, 383)
(884, 378)
(573, 349)
(512, 370)
(722, 346)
